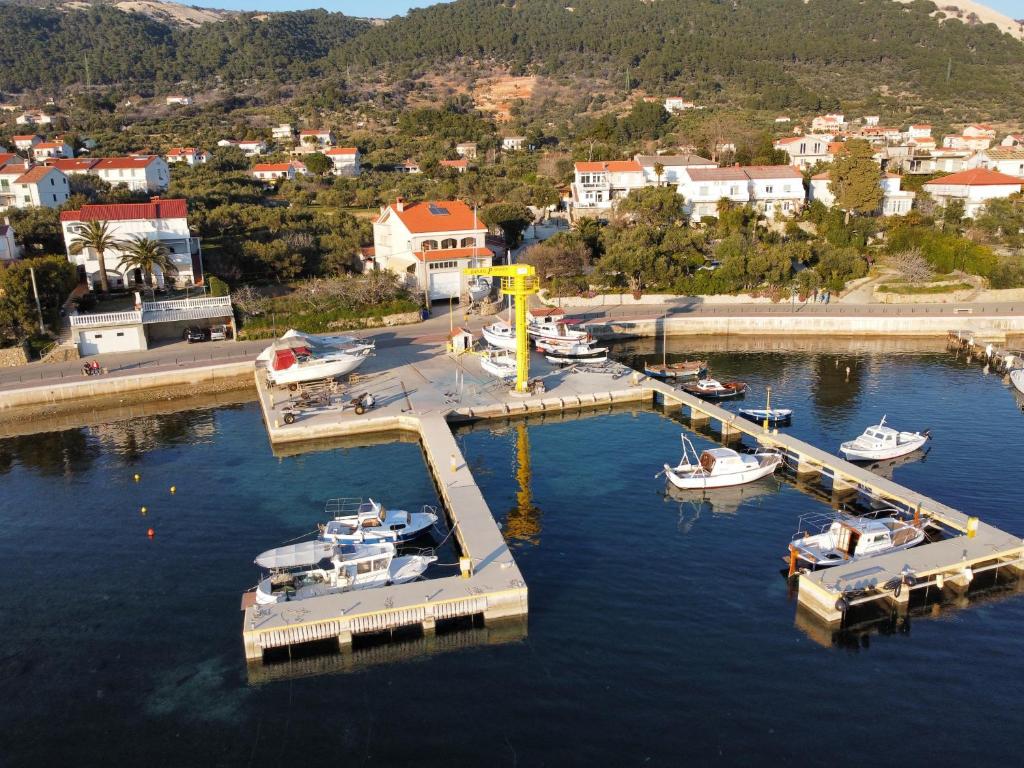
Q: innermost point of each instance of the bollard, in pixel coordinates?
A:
(465, 567)
(452, 463)
(972, 527)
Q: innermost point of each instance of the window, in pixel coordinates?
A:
(443, 265)
(703, 191)
(429, 245)
(734, 190)
(120, 333)
(470, 242)
(803, 149)
(97, 335)
(769, 189)
(449, 242)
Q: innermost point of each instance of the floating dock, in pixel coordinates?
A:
(424, 391)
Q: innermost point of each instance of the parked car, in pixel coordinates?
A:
(218, 333)
(195, 333)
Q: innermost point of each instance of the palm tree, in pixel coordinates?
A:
(659, 171)
(139, 252)
(97, 236)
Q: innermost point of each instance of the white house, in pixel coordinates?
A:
(26, 142)
(163, 220)
(782, 119)
(6, 158)
(188, 155)
(316, 138)
(675, 104)
(599, 185)
(466, 149)
(178, 101)
(274, 171)
(805, 151)
(459, 166)
(895, 201)
(974, 187)
(938, 161)
(513, 143)
(703, 188)
(345, 160)
(775, 190)
(407, 166)
(671, 165)
(252, 147)
(141, 173)
(33, 118)
(9, 248)
(27, 187)
(833, 123)
(1013, 140)
(52, 149)
(872, 119)
(1008, 160)
(283, 132)
(429, 244)
(919, 131)
(974, 137)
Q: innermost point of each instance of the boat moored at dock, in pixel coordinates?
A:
(720, 467)
(356, 521)
(1017, 379)
(844, 538)
(713, 389)
(687, 369)
(882, 442)
(499, 362)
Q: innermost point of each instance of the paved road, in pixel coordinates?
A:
(182, 355)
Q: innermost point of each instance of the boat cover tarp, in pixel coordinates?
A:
(305, 553)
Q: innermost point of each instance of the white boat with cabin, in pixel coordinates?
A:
(500, 363)
(720, 467)
(844, 538)
(296, 357)
(357, 521)
(550, 323)
(882, 442)
(317, 568)
(500, 335)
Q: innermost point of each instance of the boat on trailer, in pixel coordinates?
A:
(572, 352)
(356, 521)
(479, 288)
(713, 389)
(882, 442)
(297, 358)
(842, 538)
(500, 335)
(318, 568)
(720, 467)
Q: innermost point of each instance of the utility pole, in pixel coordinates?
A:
(949, 69)
(35, 292)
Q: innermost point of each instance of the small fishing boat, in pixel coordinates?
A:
(296, 358)
(550, 323)
(499, 362)
(720, 467)
(687, 369)
(882, 442)
(317, 568)
(357, 521)
(713, 389)
(479, 288)
(772, 417)
(500, 335)
(1017, 379)
(843, 538)
(574, 352)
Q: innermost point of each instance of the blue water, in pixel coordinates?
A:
(660, 629)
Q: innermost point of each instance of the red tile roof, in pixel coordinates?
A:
(68, 164)
(28, 137)
(445, 254)
(438, 216)
(615, 166)
(343, 151)
(716, 174)
(976, 177)
(155, 209)
(181, 151)
(272, 167)
(771, 172)
(50, 145)
(455, 163)
(114, 163)
(34, 175)
(6, 157)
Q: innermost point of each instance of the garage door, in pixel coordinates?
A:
(445, 285)
(108, 340)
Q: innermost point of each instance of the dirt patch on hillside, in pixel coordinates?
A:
(497, 94)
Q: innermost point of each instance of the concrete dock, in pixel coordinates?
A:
(422, 391)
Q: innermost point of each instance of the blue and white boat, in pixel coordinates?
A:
(356, 521)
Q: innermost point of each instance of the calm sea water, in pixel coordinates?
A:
(660, 629)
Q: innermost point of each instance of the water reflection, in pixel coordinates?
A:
(523, 521)
(692, 503)
(50, 454)
(837, 383)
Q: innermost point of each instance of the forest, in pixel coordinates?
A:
(768, 54)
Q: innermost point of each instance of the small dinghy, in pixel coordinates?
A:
(713, 389)
(357, 521)
(843, 538)
(1017, 379)
(500, 363)
(318, 568)
(772, 417)
(882, 442)
(719, 467)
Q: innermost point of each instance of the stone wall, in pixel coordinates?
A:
(11, 357)
(402, 318)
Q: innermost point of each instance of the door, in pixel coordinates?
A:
(445, 285)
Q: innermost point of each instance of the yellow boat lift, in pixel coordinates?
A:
(517, 281)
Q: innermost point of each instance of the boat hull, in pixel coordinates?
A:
(728, 393)
(699, 480)
(328, 369)
(804, 555)
(773, 416)
(1017, 379)
(668, 372)
(499, 340)
(852, 452)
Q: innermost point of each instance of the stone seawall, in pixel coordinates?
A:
(11, 357)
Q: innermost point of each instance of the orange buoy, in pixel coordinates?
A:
(792, 560)
(150, 532)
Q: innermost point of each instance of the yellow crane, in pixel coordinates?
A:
(517, 281)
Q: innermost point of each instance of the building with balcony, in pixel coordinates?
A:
(598, 186)
(895, 201)
(163, 220)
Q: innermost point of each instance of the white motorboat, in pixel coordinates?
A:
(296, 358)
(720, 467)
(571, 352)
(500, 334)
(551, 324)
(479, 288)
(1017, 379)
(354, 521)
(499, 362)
(843, 538)
(882, 442)
(317, 568)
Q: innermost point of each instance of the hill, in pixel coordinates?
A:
(174, 14)
(969, 12)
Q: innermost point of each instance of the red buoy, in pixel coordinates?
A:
(151, 533)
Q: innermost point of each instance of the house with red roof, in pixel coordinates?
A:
(429, 244)
(345, 160)
(190, 156)
(975, 187)
(25, 142)
(1013, 140)
(806, 151)
(162, 220)
(45, 150)
(140, 173)
(25, 186)
(277, 171)
(33, 117)
(459, 166)
(598, 185)
(773, 190)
